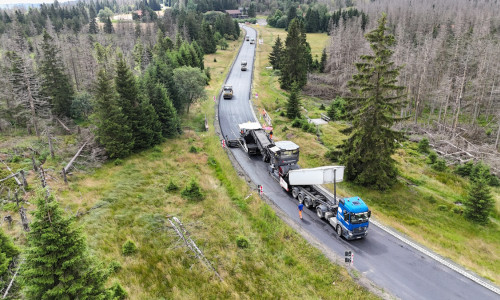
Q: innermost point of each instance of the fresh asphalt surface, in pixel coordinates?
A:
(389, 263)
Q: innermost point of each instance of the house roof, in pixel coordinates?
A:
(233, 11)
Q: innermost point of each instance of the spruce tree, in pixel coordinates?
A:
(112, 130)
(293, 106)
(207, 40)
(322, 63)
(93, 28)
(57, 264)
(167, 115)
(252, 12)
(56, 85)
(296, 57)
(479, 203)
(372, 107)
(141, 123)
(108, 26)
(7, 252)
(276, 54)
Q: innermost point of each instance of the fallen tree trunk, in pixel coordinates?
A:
(65, 169)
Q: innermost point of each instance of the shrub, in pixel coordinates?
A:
(289, 261)
(493, 180)
(118, 162)
(442, 208)
(464, 170)
(306, 126)
(336, 110)
(242, 242)
(333, 155)
(322, 107)
(431, 199)
(423, 146)
(457, 210)
(432, 157)
(297, 123)
(114, 267)
(192, 191)
(193, 149)
(215, 59)
(81, 106)
(439, 165)
(118, 292)
(171, 186)
(282, 114)
(312, 129)
(129, 248)
(285, 129)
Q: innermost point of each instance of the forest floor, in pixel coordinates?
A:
(422, 205)
(257, 254)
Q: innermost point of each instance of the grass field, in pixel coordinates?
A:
(421, 206)
(130, 202)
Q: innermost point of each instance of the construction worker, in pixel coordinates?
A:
(301, 208)
(271, 134)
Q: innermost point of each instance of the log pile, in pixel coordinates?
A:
(457, 147)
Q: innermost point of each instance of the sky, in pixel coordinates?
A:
(29, 1)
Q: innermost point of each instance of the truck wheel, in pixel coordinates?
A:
(301, 198)
(307, 202)
(339, 230)
(295, 193)
(319, 211)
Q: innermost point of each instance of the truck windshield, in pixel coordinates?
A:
(359, 218)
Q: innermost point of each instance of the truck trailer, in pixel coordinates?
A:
(349, 216)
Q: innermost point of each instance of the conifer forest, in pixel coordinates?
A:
(110, 136)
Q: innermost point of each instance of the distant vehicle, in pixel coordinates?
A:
(228, 92)
(252, 41)
(248, 38)
(243, 65)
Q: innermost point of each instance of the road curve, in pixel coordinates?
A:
(387, 261)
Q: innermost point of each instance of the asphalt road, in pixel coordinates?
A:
(385, 260)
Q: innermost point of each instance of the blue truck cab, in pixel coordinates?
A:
(352, 218)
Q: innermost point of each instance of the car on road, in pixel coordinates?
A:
(243, 65)
(252, 41)
(247, 38)
(228, 92)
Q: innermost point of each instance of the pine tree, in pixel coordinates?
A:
(293, 105)
(93, 28)
(56, 85)
(108, 26)
(112, 131)
(479, 203)
(276, 54)
(296, 57)
(372, 107)
(57, 264)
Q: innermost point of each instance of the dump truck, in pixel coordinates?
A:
(227, 92)
(348, 216)
(243, 65)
